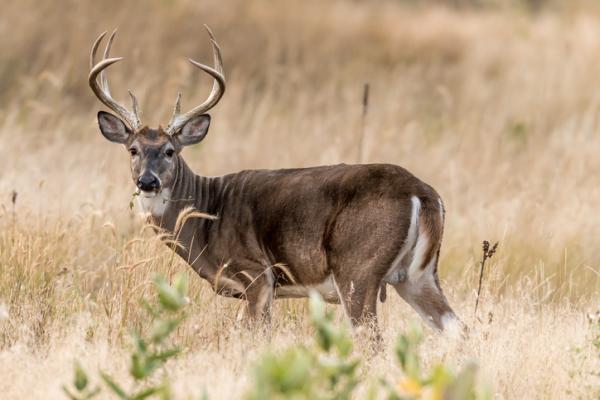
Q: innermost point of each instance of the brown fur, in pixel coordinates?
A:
(348, 221)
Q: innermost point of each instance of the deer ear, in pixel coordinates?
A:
(194, 130)
(113, 128)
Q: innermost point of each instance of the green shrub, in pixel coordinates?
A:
(326, 369)
(323, 370)
(150, 352)
(438, 383)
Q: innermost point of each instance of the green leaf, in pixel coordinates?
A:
(406, 352)
(316, 306)
(82, 396)
(168, 296)
(165, 393)
(140, 343)
(149, 309)
(181, 283)
(131, 201)
(343, 343)
(139, 368)
(165, 354)
(142, 367)
(463, 387)
(69, 394)
(145, 393)
(325, 335)
(114, 387)
(440, 378)
(163, 328)
(81, 379)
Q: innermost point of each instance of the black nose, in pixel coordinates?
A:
(148, 183)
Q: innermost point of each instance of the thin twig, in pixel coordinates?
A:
(487, 253)
(13, 200)
(363, 122)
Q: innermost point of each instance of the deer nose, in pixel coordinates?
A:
(148, 182)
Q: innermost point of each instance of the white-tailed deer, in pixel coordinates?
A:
(345, 230)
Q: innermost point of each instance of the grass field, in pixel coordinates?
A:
(496, 106)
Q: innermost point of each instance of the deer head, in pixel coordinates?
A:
(153, 152)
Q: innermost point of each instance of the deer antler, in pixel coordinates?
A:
(178, 120)
(101, 89)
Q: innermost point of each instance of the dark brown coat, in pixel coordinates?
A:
(302, 227)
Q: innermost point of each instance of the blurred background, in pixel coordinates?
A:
(494, 103)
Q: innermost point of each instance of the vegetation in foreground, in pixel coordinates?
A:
(326, 369)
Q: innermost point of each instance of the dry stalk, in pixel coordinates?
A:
(13, 200)
(487, 254)
(363, 123)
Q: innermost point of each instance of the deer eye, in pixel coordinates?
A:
(169, 152)
(133, 151)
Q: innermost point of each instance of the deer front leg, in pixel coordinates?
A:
(359, 299)
(259, 292)
(259, 303)
(249, 281)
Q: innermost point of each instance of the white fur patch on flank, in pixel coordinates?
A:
(452, 326)
(427, 274)
(154, 203)
(414, 269)
(393, 275)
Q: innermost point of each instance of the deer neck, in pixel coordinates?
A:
(189, 190)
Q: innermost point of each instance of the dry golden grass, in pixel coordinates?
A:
(496, 108)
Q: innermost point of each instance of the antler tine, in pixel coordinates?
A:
(217, 59)
(95, 48)
(177, 108)
(101, 89)
(103, 75)
(210, 32)
(218, 89)
(218, 86)
(136, 108)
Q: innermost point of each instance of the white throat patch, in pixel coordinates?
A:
(155, 203)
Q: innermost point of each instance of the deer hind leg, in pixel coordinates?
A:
(425, 295)
(415, 277)
(359, 299)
